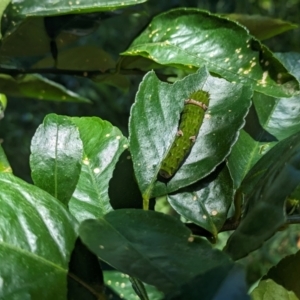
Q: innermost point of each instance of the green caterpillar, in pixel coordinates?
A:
(191, 120)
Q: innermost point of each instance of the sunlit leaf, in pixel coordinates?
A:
(56, 155)
(37, 236)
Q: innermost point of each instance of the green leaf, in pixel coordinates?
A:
(3, 5)
(269, 290)
(4, 163)
(23, 8)
(223, 282)
(190, 38)
(206, 204)
(266, 187)
(37, 236)
(82, 58)
(286, 273)
(121, 284)
(102, 146)
(262, 27)
(244, 154)
(36, 86)
(56, 155)
(155, 248)
(291, 62)
(154, 121)
(278, 116)
(85, 278)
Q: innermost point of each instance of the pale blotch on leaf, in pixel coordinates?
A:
(226, 59)
(194, 198)
(238, 50)
(191, 239)
(86, 161)
(125, 146)
(240, 56)
(101, 246)
(96, 170)
(128, 157)
(109, 282)
(118, 137)
(107, 135)
(123, 285)
(204, 217)
(214, 213)
(207, 116)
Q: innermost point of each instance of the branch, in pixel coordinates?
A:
(90, 73)
(233, 225)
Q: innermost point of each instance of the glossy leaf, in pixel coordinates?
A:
(121, 284)
(225, 282)
(279, 116)
(154, 121)
(190, 38)
(291, 62)
(23, 8)
(262, 27)
(206, 204)
(244, 154)
(266, 186)
(36, 86)
(102, 146)
(269, 290)
(56, 155)
(286, 273)
(37, 236)
(153, 247)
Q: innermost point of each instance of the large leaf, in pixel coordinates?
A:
(206, 204)
(102, 146)
(270, 290)
(56, 156)
(36, 86)
(223, 282)
(154, 121)
(262, 27)
(156, 248)
(37, 236)
(266, 186)
(121, 284)
(286, 273)
(191, 38)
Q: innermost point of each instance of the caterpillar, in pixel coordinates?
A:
(190, 122)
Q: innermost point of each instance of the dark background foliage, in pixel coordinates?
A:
(23, 115)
